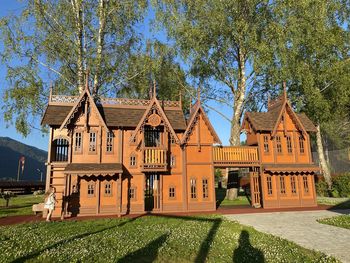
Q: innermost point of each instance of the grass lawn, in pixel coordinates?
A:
(222, 201)
(148, 239)
(20, 205)
(338, 203)
(339, 221)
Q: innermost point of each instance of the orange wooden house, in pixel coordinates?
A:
(120, 156)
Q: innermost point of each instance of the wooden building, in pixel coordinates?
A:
(120, 156)
(286, 174)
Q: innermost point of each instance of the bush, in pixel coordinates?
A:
(322, 188)
(39, 192)
(341, 184)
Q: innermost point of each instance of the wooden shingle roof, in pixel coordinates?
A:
(114, 116)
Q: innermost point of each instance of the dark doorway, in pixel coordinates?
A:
(152, 192)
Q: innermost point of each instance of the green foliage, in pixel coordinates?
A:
(7, 195)
(148, 239)
(339, 221)
(341, 184)
(322, 188)
(57, 41)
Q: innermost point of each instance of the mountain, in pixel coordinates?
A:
(10, 153)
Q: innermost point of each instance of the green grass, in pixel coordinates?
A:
(222, 201)
(337, 203)
(339, 221)
(20, 205)
(148, 239)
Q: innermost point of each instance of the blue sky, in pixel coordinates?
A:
(39, 140)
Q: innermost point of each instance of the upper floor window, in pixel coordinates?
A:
(78, 142)
(205, 188)
(134, 139)
(301, 145)
(60, 150)
(266, 144)
(172, 139)
(193, 184)
(152, 136)
(132, 159)
(269, 185)
(108, 189)
(282, 185)
(172, 160)
(289, 144)
(92, 142)
(279, 144)
(109, 143)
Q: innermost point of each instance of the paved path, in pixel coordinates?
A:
(303, 229)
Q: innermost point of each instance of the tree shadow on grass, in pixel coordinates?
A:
(146, 254)
(65, 241)
(245, 252)
(341, 206)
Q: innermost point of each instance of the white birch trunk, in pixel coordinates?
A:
(100, 43)
(232, 193)
(77, 9)
(321, 156)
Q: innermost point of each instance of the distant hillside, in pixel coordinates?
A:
(10, 152)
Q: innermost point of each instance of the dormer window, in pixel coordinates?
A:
(78, 142)
(289, 144)
(92, 142)
(278, 144)
(266, 144)
(109, 143)
(301, 145)
(172, 139)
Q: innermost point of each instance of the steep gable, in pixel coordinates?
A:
(195, 116)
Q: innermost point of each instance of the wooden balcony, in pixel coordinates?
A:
(154, 159)
(235, 156)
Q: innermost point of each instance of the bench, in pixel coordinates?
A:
(37, 208)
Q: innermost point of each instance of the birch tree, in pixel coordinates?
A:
(58, 41)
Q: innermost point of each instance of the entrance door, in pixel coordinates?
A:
(152, 193)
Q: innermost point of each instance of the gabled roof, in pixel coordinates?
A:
(154, 104)
(197, 109)
(269, 121)
(83, 97)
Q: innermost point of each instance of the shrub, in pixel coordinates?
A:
(7, 195)
(322, 188)
(39, 192)
(341, 184)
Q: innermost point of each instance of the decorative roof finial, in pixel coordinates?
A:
(180, 98)
(268, 100)
(154, 89)
(50, 94)
(284, 89)
(199, 94)
(87, 79)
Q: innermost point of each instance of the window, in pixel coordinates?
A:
(266, 144)
(60, 150)
(132, 193)
(109, 144)
(205, 188)
(289, 144)
(282, 185)
(301, 145)
(306, 184)
(152, 136)
(171, 192)
(279, 145)
(293, 184)
(91, 189)
(172, 160)
(134, 139)
(133, 160)
(172, 139)
(269, 185)
(193, 188)
(92, 142)
(108, 189)
(78, 142)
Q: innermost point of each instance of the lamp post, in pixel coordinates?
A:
(41, 174)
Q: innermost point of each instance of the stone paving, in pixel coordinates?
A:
(303, 229)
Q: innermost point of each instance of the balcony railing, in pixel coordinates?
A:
(235, 155)
(154, 159)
